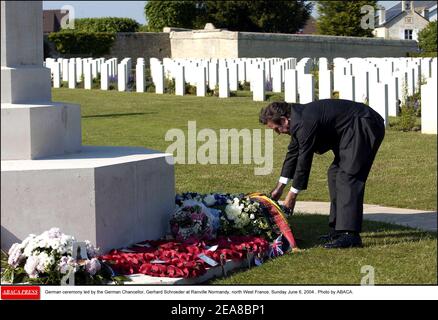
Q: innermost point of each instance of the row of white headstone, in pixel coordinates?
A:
(383, 83)
(225, 75)
(76, 70)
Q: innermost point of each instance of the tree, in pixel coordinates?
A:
(245, 15)
(343, 18)
(280, 16)
(427, 39)
(160, 14)
(231, 15)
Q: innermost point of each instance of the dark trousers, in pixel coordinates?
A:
(349, 171)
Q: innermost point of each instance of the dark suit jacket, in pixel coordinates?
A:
(318, 127)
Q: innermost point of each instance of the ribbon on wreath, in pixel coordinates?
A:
(278, 218)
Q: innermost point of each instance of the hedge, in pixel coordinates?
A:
(106, 25)
(93, 43)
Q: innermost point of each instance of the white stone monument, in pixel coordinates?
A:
(112, 196)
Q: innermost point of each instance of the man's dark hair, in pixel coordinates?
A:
(274, 111)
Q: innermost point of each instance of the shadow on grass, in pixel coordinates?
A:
(118, 115)
(308, 228)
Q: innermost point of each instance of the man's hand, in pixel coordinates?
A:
(290, 200)
(278, 191)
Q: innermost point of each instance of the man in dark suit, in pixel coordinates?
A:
(354, 132)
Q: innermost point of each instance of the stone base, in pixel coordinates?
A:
(30, 131)
(25, 84)
(212, 273)
(112, 196)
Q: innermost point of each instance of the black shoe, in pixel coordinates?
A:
(345, 240)
(331, 236)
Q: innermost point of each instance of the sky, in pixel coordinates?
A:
(126, 9)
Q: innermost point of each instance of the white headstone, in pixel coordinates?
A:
(88, 76)
(306, 88)
(277, 78)
(72, 74)
(79, 69)
(339, 72)
(259, 85)
(411, 82)
(374, 75)
(379, 100)
(429, 105)
(325, 84)
(426, 67)
(291, 86)
(139, 76)
(159, 79)
(122, 77)
(233, 74)
(347, 89)
(242, 71)
(65, 63)
(362, 85)
(201, 83)
(213, 75)
(104, 75)
(224, 83)
(393, 97)
(402, 85)
(56, 74)
(94, 68)
(323, 64)
(180, 81)
(417, 77)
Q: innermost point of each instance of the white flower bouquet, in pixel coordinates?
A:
(47, 258)
(236, 214)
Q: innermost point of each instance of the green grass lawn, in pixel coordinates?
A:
(404, 175)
